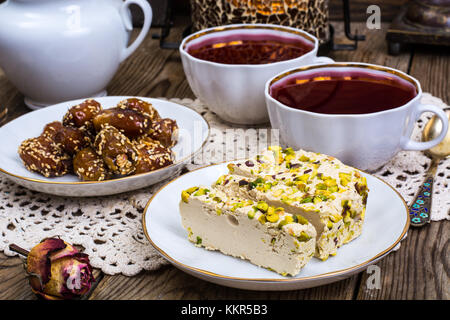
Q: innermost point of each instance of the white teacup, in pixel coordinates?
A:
(235, 91)
(366, 141)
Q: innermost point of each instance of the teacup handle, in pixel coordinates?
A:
(408, 144)
(148, 15)
(323, 60)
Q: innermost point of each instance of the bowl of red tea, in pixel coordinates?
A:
(363, 114)
(228, 66)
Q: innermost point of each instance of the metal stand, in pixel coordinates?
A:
(420, 21)
(348, 33)
(329, 45)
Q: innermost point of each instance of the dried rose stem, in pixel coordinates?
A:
(18, 249)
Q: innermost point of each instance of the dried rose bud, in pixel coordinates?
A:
(58, 271)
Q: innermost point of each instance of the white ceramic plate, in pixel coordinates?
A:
(193, 133)
(385, 224)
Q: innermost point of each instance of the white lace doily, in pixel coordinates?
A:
(109, 228)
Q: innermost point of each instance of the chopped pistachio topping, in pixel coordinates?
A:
(255, 183)
(330, 225)
(220, 180)
(285, 221)
(262, 206)
(236, 205)
(304, 158)
(336, 217)
(287, 200)
(272, 217)
(347, 220)
(316, 200)
(185, 194)
(300, 219)
(306, 200)
(303, 178)
(201, 192)
(262, 219)
(345, 178)
(303, 237)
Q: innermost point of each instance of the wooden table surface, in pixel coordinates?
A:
(418, 270)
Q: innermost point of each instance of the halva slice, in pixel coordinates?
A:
(265, 235)
(331, 195)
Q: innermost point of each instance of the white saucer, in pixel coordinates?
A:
(386, 223)
(193, 134)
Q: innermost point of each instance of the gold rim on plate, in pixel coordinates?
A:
(321, 276)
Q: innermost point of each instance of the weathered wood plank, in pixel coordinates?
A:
(11, 98)
(431, 66)
(169, 283)
(419, 270)
(13, 280)
(372, 50)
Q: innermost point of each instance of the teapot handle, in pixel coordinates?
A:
(148, 14)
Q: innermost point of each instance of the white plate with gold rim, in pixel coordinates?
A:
(193, 134)
(386, 223)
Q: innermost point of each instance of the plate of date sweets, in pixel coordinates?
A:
(101, 146)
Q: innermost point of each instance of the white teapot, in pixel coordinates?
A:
(54, 50)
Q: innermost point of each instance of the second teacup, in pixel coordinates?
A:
(228, 66)
(363, 114)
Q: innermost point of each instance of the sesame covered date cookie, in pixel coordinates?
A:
(117, 151)
(164, 130)
(70, 139)
(81, 115)
(42, 155)
(89, 166)
(140, 106)
(152, 155)
(130, 122)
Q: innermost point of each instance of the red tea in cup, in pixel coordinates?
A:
(343, 91)
(250, 48)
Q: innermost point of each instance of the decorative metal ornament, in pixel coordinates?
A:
(420, 21)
